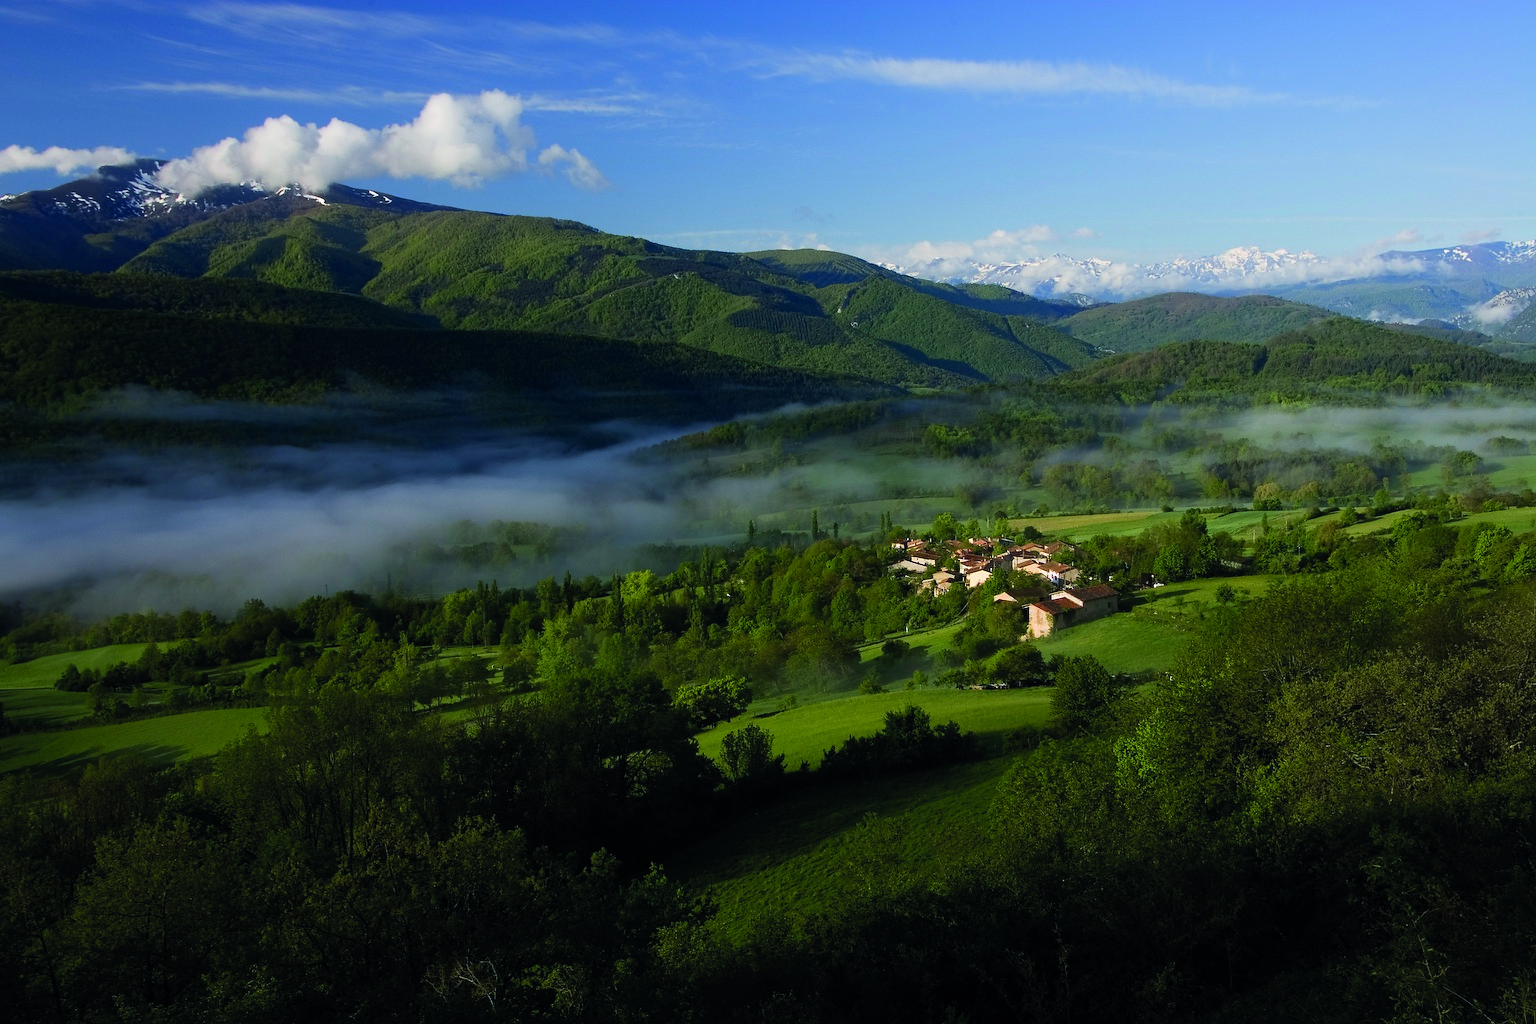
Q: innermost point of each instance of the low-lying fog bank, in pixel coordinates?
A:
(193, 527)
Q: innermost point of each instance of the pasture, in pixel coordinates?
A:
(162, 740)
(1121, 643)
(804, 733)
(44, 705)
(46, 670)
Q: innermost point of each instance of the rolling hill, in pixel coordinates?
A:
(461, 270)
(1337, 355)
(1142, 324)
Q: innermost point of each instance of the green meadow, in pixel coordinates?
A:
(44, 705)
(46, 670)
(805, 733)
(163, 740)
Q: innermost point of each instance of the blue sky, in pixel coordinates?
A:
(1124, 131)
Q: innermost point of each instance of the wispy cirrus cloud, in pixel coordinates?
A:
(324, 26)
(1021, 78)
(347, 95)
(359, 96)
(308, 23)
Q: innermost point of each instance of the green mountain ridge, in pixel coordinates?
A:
(480, 271)
(400, 265)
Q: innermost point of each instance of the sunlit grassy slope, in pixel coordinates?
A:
(804, 733)
(46, 670)
(163, 740)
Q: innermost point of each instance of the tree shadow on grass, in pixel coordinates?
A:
(71, 765)
(1166, 593)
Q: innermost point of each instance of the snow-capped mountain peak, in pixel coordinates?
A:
(134, 191)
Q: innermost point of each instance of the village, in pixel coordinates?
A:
(1053, 600)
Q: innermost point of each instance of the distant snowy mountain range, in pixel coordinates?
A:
(1470, 285)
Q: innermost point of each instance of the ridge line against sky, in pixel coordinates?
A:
(1132, 134)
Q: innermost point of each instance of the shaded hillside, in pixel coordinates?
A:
(1338, 354)
(207, 299)
(55, 356)
(1143, 324)
(970, 341)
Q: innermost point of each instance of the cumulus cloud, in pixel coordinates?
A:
(578, 169)
(1084, 232)
(461, 139)
(57, 158)
(1002, 245)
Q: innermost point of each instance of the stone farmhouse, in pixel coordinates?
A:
(1071, 607)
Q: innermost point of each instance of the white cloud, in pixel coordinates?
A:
(57, 158)
(1001, 245)
(1484, 235)
(1407, 236)
(578, 169)
(1084, 233)
(462, 139)
(1503, 307)
(1245, 268)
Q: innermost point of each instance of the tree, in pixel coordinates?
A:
(748, 758)
(1020, 665)
(1084, 691)
(718, 700)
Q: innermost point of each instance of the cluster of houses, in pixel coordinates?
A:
(1053, 602)
(978, 558)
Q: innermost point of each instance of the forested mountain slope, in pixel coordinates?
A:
(289, 345)
(1338, 354)
(1142, 324)
(483, 271)
(479, 271)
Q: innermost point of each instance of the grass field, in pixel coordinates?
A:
(807, 851)
(1121, 643)
(163, 740)
(804, 733)
(45, 671)
(44, 704)
(1085, 526)
(1150, 637)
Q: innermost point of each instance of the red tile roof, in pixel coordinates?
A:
(1095, 592)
